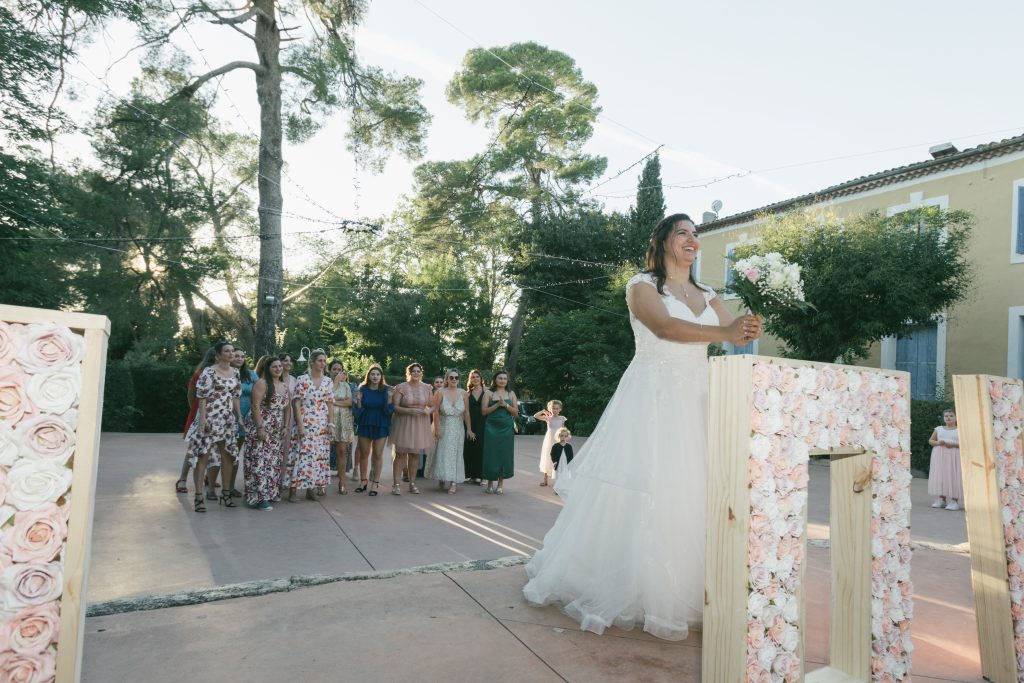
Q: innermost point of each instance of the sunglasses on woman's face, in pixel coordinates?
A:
(455, 377)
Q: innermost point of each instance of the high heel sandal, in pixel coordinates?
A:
(341, 486)
(365, 485)
(451, 489)
(374, 491)
(200, 504)
(225, 500)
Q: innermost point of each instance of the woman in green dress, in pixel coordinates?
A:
(499, 407)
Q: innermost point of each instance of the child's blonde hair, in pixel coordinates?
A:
(563, 432)
(553, 402)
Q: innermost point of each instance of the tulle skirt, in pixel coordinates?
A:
(944, 475)
(628, 547)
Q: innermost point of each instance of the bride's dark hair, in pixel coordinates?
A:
(656, 251)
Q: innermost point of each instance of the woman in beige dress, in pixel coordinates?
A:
(341, 419)
(410, 426)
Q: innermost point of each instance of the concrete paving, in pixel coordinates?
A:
(467, 624)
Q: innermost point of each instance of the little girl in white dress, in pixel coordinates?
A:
(553, 416)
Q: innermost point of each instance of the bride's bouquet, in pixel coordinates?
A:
(768, 284)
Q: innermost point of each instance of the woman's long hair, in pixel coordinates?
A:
(209, 358)
(656, 251)
(366, 378)
(494, 381)
(265, 374)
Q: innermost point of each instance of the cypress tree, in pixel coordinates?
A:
(649, 209)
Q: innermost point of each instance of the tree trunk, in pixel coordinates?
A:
(270, 291)
(515, 331)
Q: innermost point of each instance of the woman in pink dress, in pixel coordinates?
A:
(212, 436)
(410, 427)
(310, 455)
(945, 478)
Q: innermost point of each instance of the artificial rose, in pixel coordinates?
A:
(995, 390)
(10, 342)
(46, 437)
(1013, 391)
(37, 535)
(8, 445)
(14, 401)
(37, 583)
(49, 347)
(57, 391)
(34, 483)
(761, 376)
(32, 629)
(28, 668)
(3, 482)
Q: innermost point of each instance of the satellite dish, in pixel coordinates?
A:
(716, 205)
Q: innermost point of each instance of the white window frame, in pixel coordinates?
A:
(742, 239)
(917, 200)
(1014, 256)
(1015, 343)
(888, 353)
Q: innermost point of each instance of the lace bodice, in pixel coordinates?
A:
(647, 344)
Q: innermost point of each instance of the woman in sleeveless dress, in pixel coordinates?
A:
(265, 428)
(411, 434)
(473, 451)
(500, 407)
(452, 428)
(628, 547)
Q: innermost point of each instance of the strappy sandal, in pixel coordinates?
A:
(341, 486)
(200, 504)
(225, 500)
(365, 485)
(451, 489)
(181, 486)
(374, 491)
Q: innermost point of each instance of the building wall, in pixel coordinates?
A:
(977, 334)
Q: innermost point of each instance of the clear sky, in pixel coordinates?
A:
(727, 87)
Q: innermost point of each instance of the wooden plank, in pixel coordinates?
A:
(76, 321)
(728, 520)
(850, 534)
(985, 528)
(830, 674)
(83, 493)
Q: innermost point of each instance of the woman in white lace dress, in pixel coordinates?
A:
(451, 429)
(628, 547)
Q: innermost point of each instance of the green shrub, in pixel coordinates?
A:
(119, 411)
(925, 416)
(161, 396)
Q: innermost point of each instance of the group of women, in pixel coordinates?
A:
(285, 426)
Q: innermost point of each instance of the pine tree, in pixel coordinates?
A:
(649, 209)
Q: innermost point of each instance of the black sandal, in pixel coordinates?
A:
(366, 485)
(200, 504)
(225, 500)
(374, 491)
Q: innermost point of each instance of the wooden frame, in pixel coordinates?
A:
(94, 330)
(869, 451)
(992, 467)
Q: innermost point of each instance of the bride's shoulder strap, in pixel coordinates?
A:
(641, 277)
(709, 293)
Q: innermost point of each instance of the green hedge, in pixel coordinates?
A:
(150, 397)
(925, 416)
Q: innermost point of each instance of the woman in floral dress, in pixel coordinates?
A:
(265, 428)
(211, 438)
(310, 455)
(341, 420)
(451, 428)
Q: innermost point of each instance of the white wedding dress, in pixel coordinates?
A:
(628, 547)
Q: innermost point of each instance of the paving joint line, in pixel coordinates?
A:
(249, 589)
(505, 626)
(338, 524)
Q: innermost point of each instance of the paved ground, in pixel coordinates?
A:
(455, 623)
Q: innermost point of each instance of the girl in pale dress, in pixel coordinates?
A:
(555, 420)
(945, 478)
(341, 420)
(627, 548)
(410, 428)
(452, 428)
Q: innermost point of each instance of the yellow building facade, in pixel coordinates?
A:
(982, 334)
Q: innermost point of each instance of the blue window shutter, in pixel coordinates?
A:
(917, 354)
(1020, 219)
(729, 274)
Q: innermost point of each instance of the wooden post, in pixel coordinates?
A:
(94, 330)
(983, 509)
(725, 595)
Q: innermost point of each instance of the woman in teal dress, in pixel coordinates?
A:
(499, 408)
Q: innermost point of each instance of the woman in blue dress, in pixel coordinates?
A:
(373, 425)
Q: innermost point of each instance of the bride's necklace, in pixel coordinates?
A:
(680, 286)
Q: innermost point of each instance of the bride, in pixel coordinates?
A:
(628, 547)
